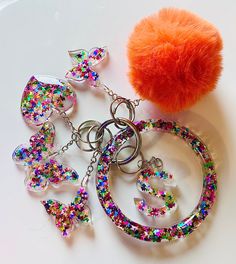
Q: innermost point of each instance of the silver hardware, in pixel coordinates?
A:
(154, 162)
(129, 125)
(116, 104)
(90, 168)
(67, 120)
(139, 163)
(90, 134)
(114, 96)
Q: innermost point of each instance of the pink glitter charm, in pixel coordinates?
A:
(42, 95)
(41, 169)
(67, 217)
(83, 62)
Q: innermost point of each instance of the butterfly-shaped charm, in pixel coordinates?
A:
(44, 94)
(41, 170)
(83, 65)
(153, 169)
(67, 217)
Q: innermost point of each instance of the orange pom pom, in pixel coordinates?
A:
(174, 58)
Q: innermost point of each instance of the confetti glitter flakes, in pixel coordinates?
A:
(155, 234)
(41, 95)
(40, 146)
(67, 217)
(41, 169)
(144, 185)
(83, 62)
(51, 172)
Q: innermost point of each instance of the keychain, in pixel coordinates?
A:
(46, 97)
(67, 217)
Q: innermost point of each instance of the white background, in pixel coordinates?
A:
(34, 39)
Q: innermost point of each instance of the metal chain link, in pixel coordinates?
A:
(75, 132)
(111, 93)
(90, 168)
(66, 146)
(136, 102)
(67, 121)
(114, 96)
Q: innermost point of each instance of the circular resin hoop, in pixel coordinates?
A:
(155, 234)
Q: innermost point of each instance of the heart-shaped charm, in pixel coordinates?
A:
(42, 95)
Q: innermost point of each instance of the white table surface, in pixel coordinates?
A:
(34, 39)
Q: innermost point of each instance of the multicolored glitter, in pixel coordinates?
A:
(151, 170)
(67, 217)
(83, 63)
(41, 95)
(41, 144)
(51, 172)
(155, 234)
(41, 170)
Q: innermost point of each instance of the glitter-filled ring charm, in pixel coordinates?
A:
(155, 234)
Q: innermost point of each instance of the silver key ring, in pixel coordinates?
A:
(133, 128)
(139, 163)
(113, 109)
(88, 126)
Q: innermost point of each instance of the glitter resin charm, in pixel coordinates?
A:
(148, 233)
(41, 145)
(152, 170)
(83, 65)
(41, 169)
(40, 175)
(67, 217)
(42, 95)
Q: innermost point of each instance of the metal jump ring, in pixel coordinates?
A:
(113, 110)
(138, 138)
(88, 126)
(98, 140)
(154, 161)
(120, 166)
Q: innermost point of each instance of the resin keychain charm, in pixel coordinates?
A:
(68, 217)
(153, 169)
(45, 95)
(42, 95)
(148, 233)
(83, 65)
(42, 169)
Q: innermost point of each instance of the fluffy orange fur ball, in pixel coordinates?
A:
(174, 58)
